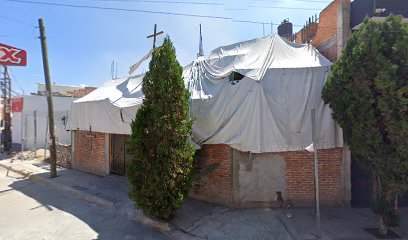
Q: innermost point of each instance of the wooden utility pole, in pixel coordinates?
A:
(53, 159)
(154, 35)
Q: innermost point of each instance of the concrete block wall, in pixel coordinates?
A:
(219, 185)
(89, 152)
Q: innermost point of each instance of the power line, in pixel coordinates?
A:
(163, 12)
(162, 1)
(154, 12)
(145, 11)
(16, 93)
(13, 76)
(17, 21)
(118, 9)
(291, 8)
(307, 1)
(202, 3)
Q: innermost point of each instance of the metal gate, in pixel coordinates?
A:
(119, 158)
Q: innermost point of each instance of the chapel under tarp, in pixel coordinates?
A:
(254, 96)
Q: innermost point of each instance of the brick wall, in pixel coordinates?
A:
(82, 92)
(213, 178)
(300, 177)
(89, 152)
(324, 37)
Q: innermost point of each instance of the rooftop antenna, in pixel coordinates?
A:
(271, 27)
(200, 46)
(263, 29)
(116, 71)
(112, 69)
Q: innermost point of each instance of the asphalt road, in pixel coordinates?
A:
(32, 211)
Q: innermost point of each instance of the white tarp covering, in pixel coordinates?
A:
(266, 111)
(110, 108)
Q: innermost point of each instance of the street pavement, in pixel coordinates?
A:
(31, 211)
(78, 205)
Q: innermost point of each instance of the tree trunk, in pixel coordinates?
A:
(377, 188)
(382, 226)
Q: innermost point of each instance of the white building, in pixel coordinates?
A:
(30, 127)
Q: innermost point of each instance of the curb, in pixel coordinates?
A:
(69, 191)
(137, 215)
(156, 223)
(133, 214)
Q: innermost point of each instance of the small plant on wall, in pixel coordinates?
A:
(162, 156)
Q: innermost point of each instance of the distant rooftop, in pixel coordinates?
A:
(64, 90)
(362, 8)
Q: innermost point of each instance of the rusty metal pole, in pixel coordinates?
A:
(316, 173)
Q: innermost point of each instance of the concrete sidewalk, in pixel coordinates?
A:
(202, 220)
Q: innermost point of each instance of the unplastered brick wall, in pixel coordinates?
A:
(324, 37)
(300, 177)
(89, 152)
(213, 178)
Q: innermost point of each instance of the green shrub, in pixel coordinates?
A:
(368, 92)
(162, 155)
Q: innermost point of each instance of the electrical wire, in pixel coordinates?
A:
(17, 21)
(307, 1)
(162, 1)
(148, 11)
(16, 93)
(197, 2)
(164, 12)
(13, 76)
(290, 8)
(118, 9)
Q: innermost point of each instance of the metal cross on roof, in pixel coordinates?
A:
(154, 35)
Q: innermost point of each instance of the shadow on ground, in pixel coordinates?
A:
(108, 224)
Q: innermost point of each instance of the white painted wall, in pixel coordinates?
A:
(26, 128)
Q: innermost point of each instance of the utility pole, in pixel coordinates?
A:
(53, 155)
(154, 35)
(6, 92)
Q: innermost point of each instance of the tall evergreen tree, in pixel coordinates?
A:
(368, 92)
(161, 166)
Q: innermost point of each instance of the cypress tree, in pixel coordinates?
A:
(162, 156)
(368, 92)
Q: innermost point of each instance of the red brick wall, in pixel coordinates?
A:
(300, 177)
(82, 92)
(89, 152)
(213, 179)
(325, 39)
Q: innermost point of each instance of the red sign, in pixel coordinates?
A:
(16, 105)
(12, 56)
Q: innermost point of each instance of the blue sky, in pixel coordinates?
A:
(83, 42)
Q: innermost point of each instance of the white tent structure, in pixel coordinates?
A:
(254, 96)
